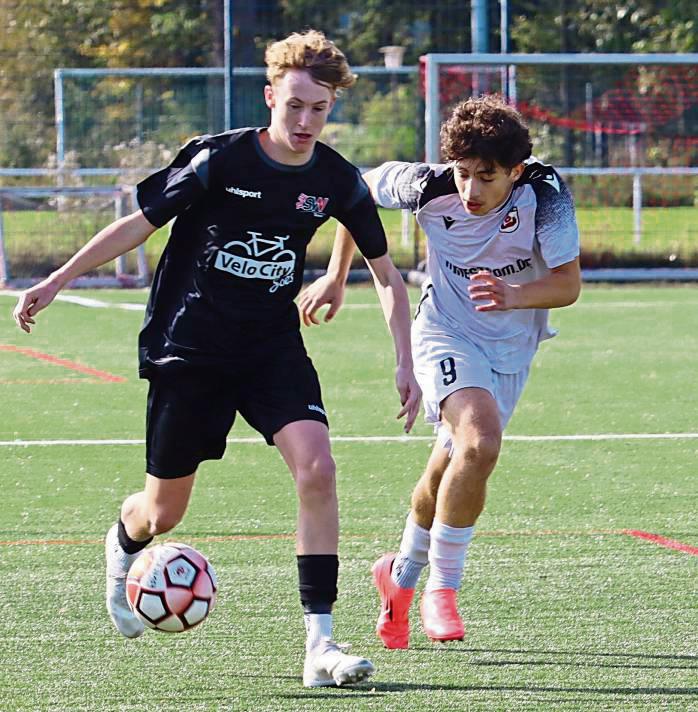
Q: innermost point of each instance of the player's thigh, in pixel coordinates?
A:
(305, 447)
(472, 414)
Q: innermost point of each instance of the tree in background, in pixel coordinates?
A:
(40, 35)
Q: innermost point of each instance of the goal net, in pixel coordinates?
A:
(622, 129)
(42, 227)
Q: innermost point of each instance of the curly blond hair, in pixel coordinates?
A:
(313, 52)
(488, 128)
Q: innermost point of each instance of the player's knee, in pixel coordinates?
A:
(162, 521)
(316, 480)
(478, 453)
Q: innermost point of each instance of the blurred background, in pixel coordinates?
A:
(94, 96)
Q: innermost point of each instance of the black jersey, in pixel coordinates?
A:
(235, 257)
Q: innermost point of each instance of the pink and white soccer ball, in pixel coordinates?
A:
(171, 587)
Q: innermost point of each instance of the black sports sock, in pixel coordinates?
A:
(317, 581)
(130, 546)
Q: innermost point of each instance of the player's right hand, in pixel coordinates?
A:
(324, 290)
(410, 396)
(32, 301)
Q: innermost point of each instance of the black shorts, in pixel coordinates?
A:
(191, 408)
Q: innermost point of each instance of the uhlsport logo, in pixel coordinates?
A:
(312, 204)
(511, 221)
(244, 193)
(236, 258)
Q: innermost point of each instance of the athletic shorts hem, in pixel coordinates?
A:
(162, 473)
(310, 415)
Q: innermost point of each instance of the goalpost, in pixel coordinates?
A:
(622, 128)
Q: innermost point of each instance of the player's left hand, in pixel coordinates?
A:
(410, 395)
(494, 292)
(324, 290)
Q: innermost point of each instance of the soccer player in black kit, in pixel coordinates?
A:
(222, 332)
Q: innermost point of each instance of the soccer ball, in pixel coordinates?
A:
(171, 587)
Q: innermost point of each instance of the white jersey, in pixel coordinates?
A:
(534, 231)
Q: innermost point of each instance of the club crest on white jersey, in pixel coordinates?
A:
(511, 221)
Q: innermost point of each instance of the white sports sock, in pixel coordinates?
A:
(317, 627)
(447, 554)
(413, 555)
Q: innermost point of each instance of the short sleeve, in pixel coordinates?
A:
(360, 216)
(556, 224)
(400, 185)
(168, 192)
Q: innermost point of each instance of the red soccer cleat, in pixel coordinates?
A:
(393, 626)
(440, 618)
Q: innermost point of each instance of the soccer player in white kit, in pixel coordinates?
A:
(502, 249)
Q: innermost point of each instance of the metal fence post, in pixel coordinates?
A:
(637, 208)
(119, 212)
(4, 276)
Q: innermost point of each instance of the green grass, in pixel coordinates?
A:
(664, 230)
(563, 611)
(37, 242)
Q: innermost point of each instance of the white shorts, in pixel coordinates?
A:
(444, 364)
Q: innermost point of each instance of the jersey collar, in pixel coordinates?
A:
(275, 164)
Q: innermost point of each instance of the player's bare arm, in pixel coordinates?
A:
(395, 303)
(329, 289)
(116, 239)
(559, 288)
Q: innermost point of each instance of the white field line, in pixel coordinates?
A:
(378, 439)
(84, 301)
(134, 306)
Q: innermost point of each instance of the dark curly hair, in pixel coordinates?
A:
(487, 128)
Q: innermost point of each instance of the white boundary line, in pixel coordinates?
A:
(134, 306)
(378, 438)
(91, 303)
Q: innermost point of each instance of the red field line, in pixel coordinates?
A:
(654, 538)
(662, 541)
(45, 381)
(267, 537)
(65, 363)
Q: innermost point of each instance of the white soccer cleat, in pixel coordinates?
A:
(327, 664)
(118, 564)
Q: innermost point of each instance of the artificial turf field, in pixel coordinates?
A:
(565, 608)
